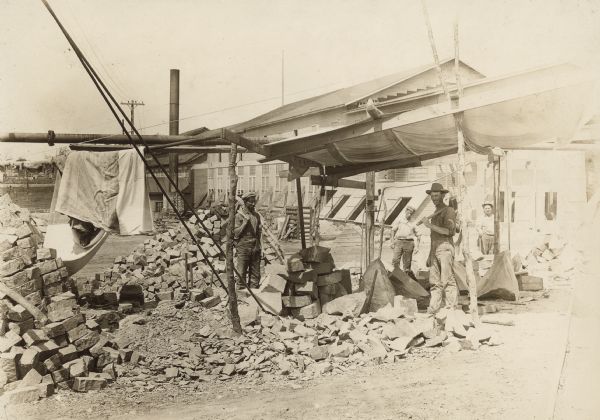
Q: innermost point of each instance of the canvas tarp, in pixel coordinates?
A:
(107, 189)
(499, 282)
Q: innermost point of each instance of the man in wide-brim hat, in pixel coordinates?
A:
(246, 234)
(486, 229)
(442, 224)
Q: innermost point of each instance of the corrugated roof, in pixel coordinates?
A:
(334, 99)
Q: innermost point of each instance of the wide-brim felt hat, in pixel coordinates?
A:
(249, 195)
(436, 187)
(488, 203)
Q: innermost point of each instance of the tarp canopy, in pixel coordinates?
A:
(543, 105)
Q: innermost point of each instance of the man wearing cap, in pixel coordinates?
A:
(486, 229)
(442, 224)
(404, 240)
(246, 234)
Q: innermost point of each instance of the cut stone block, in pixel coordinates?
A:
(8, 340)
(77, 332)
(29, 359)
(47, 266)
(322, 267)
(10, 267)
(209, 302)
(409, 306)
(88, 384)
(18, 313)
(68, 353)
(21, 395)
(45, 254)
(53, 363)
(87, 341)
(307, 312)
(60, 375)
(346, 305)
(301, 277)
(308, 288)
(273, 283)
(32, 337)
(72, 322)
(296, 301)
(276, 269)
(294, 264)
(31, 378)
(8, 368)
(271, 301)
(331, 278)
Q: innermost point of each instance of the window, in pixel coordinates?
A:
(266, 178)
(501, 207)
(550, 205)
(252, 178)
(158, 206)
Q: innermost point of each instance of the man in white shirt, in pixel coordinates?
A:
(404, 240)
(486, 229)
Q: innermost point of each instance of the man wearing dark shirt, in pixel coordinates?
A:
(441, 255)
(246, 232)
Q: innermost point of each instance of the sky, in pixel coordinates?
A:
(229, 54)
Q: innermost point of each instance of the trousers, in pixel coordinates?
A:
(248, 262)
(403, 250)
(487, 244)
(441, 278)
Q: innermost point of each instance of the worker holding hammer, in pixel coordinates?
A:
(246, 234)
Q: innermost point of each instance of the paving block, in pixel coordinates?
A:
(209, 302)
(45, 254)
(45, 389)
(47, 266)
(29, 359)
(273, 283)
(307, 312)
(296, 301)
(18, 313)
(60, 375)
(52, 363)
(301, 277)
(87, 341)
(309, 288)
(52, 278)
(322, 267)
(46, 349)
(34, 336)
(8, 340)
(77, 332)
(10, 267)
(22, 327)
(328, 279)
(530, 283)
(21, 395)
(8, 368)
(276, 269)
(72, 322)
(318, 353)
(408, 305)
(68, 353)
(165, 295)
(88, 384)
(294, 263)
(32, 377)
(271, 301)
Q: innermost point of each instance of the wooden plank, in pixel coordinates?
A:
(334, 182)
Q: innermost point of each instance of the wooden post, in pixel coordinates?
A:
(369, 217)
(187, 284)
(496, 166)
(509, 199)
(232, 299)
(461, 158)
(300, 212)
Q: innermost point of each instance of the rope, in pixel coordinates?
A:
(105, 93)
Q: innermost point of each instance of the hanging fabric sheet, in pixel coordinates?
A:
(106, 189)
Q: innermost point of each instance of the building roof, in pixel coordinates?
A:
(337, 98)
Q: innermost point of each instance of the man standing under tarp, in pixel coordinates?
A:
(442, 224)
(404, 240)
(486, 229)
(246, 234)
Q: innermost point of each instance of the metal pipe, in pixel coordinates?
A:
(212, 137)
(174, 128)
(180, 149)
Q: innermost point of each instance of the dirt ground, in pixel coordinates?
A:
(547, 367)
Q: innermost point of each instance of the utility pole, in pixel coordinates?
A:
(174, 129)
(282, 77)
(132, 104)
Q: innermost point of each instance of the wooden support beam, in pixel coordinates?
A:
(232, 298)
(177, 149)
(496, 166)
(300, 213)
(369, 217)
(335, 182)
